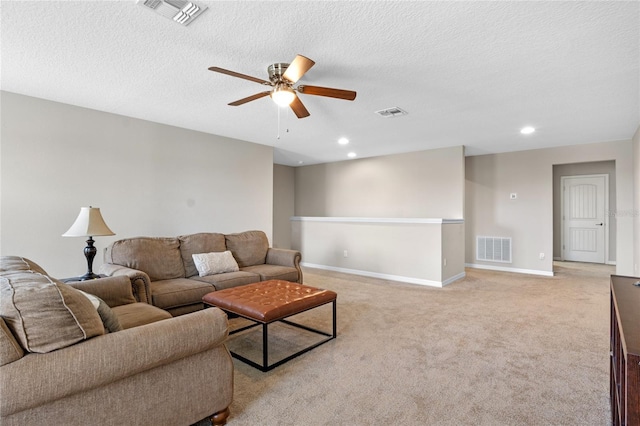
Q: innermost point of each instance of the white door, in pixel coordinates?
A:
(584, 207)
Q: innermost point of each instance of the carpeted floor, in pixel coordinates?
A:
(492, 349)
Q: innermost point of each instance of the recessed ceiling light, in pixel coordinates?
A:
(351, 155)
(527, 130)
(300, 162)
(343, 141)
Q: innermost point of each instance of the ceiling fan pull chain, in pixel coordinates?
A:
(278, 122)
(286, 123)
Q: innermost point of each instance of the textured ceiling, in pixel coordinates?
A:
(468, 73)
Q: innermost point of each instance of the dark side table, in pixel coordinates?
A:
(74, 279)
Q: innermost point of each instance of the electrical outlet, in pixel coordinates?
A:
(541, 256)
(346, 253)
(513, 196)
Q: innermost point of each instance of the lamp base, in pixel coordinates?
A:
(89, 252)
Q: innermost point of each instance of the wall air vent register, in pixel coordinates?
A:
(493, 249)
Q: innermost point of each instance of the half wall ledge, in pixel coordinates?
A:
(374, 219)
(424, 251)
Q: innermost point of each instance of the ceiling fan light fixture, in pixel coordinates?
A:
(283, 95)
(282, 78)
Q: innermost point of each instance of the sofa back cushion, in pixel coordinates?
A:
(205, 242)
(158, 257)
(44, 314)
(249, 248)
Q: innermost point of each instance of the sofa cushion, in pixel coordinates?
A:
(136, 314)
(168, 294)
(274, 272)
(205, 242)
(249, 248)
(159, 258)
(215, 263)
(44, 314)
(229, 279)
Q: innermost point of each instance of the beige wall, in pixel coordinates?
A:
(529, 218)
(147, 178)
(452, 251)
(427, 184)
(283, 205)
(594, 168)
(403, 250)
(636, 210)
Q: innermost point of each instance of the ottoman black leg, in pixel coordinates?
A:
(265, 348)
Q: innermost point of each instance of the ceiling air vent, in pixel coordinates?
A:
(182, 11)
(391, 112)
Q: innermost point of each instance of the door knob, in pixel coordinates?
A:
(599, 224)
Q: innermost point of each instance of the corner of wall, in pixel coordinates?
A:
(636, 202)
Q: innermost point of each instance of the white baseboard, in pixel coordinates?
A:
(389, 277)
(460, 276)
(608, 262)
(506, 269)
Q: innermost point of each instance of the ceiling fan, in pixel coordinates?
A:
(282, 78)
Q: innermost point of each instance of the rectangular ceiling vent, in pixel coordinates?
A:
(181, 11)
(391, 112)
(493, 249)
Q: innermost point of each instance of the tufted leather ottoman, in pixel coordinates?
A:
(269, 301)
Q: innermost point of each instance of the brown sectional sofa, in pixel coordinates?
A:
(163, 273)
(59, 365)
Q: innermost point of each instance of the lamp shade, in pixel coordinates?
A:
(88, 223)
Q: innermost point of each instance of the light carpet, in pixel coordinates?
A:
(494, 348)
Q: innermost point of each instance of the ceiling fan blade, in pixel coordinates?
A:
(298, 68)
(348, 95)
(298, 108)
(237, 74)
(250, 98)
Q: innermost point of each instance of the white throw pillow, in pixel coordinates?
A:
(93, 299)
(215, 263)
(109, 319)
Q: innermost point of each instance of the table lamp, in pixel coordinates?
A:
(89, 223)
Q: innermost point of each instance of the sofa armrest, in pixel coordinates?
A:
(36, 379)
(139, 280)
(284, 257)
(115, 291)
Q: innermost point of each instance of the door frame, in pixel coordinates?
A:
(606, 210)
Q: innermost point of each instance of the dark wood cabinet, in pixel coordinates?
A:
(625, 351)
